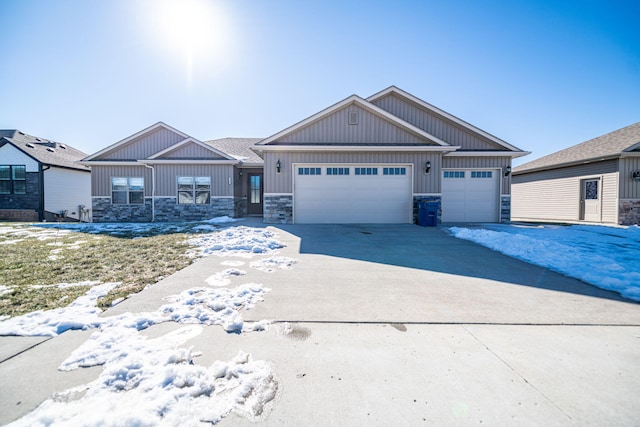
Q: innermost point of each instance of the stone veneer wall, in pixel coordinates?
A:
(167, 210)
(629, 212)
(240, 204)
(505, 208)
(417, 199)
(28, 201)
(105, 211)
(278, 209)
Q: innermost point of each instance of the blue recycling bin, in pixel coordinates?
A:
(428, 213)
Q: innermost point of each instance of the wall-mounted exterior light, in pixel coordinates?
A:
(427, 167)
(278, 166)
(635, 175)
(507, 171)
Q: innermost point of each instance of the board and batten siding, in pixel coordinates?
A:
(144, 146)
(370, 129)
(192, 151)
(282, 183)
(482, 163)
(66, 189)
(10, 155)
(629, 188)
(167, 178)
(101, 178)
(438, 126)
(554, 195)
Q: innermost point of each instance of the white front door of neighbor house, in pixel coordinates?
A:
(352, 193)
(470, 195)
(591, 200)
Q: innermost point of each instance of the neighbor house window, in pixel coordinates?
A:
(127, 191)
(13, 179)
(194, 189)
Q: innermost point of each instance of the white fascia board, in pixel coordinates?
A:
(108, 163)
(362, 103)
(188, 162)
(512, 154)
(442, 113)
(187, 141)
(250, 165)
(134, 136)
(346, 148)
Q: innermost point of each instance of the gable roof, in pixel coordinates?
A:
(136, 135)
(185, 142)
(611, 145)
(43, 150)
(435, 110)
(354, 99)
(238, 148)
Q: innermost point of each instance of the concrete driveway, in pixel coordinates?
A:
(398, 325)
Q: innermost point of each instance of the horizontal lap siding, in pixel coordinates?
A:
(66, 189)
(610, 198)
(283, 182)
(440, 127)
(167, 175)
(101, 178)
(482, 163)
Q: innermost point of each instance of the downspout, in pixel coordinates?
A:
(41, 210)
(153, 192)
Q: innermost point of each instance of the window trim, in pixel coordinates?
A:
(12, 179)
(128, 191)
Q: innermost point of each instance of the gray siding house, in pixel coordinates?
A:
(162, 174)
(371, 161)
(597, 181)
(42, 179)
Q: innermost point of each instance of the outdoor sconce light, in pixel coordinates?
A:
(427, 167)
(507, 171)
(278, 166)
(635, 175)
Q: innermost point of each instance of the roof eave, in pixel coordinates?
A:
(567, 164)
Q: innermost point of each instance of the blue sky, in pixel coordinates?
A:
(542, 75)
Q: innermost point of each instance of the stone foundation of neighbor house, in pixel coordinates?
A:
(105, 211)
(26, 215)
(417, 199)
(505, 208)
(629, 212)
(278, 209)
(167, 210)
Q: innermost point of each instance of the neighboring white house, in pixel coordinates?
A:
(42, 179)
(597, 181)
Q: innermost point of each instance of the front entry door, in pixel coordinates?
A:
(254, 199)
(591, 200)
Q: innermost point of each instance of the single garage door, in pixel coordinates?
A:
(342, 194)
(470, 195)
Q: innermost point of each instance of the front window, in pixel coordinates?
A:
(127, 191)
(13, 179)
(194, 190)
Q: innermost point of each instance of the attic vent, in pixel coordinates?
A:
(353, 117)
(38, 139)
(64, 147)
(51, 149)
(30, 145)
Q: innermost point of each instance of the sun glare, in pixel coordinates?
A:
(191, 32)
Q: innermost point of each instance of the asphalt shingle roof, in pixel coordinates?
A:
(240, 148)
(43, 150)
(605, 146)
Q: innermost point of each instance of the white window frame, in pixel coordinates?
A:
(131, 189)
(198, 193)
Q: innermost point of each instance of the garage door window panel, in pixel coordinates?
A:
(337, 171)
(309, 171)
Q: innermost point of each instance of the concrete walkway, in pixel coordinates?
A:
(397, 325)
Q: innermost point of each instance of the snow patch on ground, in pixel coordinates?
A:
(236, 241)
(222, 278)
(273, 263)
(606, 257)
(5, 290)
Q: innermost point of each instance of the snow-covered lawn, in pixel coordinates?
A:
(157, 381)
(607, 257)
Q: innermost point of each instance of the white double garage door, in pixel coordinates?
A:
(383, 193)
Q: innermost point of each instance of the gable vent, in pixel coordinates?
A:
(30, 145)
(353, 117)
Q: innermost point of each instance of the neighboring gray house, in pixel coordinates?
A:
(370, 161)
(597, 181)
(42, 179)
(163, 174)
